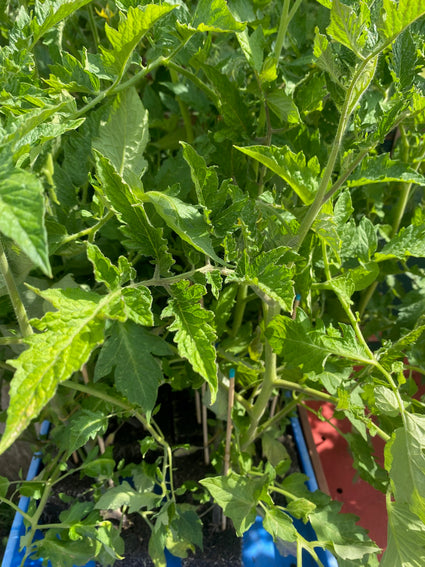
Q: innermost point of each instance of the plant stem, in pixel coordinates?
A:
(283, 26)
(260, 405)
(88, 231)
(10, 341)
(15, 507)
(289, 408)
(239, 309)
(183, 109)
(352, 98)
(311, 392)
(15, 298)
(195, 80)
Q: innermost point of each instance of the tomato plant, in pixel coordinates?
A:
(192, 189)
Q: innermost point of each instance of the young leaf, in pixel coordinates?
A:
(215, 16)
(184, 219)
(57, 11)
(410, 241)
(283, 106)
(280, 525)
(382, 169)
(104, 270)
(204, 178)
(140, 233)
(69, 336)
(253, 47)
(397, 16)
(125, 495)
(361, 83)
(123, 137)
(297, 342)
(129, 351)
(302, 176)
(82, 427)
(347, 26)
(195, 335)
(130, 31)
(238, 496)
(138, 303)
(22, 212)
(267, 273)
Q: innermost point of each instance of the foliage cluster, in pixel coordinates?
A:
(191, 188)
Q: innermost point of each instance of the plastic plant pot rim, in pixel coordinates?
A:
(258, 549)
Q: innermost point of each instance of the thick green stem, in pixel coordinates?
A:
(270, 310)
(15, 298)
(239, 309)
(352, 98)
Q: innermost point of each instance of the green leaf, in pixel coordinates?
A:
(125, 495)
(138, 303)
(131, 30)
(83, 426)
(4, 486)
(184, 219)
(104, 270)
(308, 348)
(140, 233)
(195, 336)
(404, 61)
(283, 106)
(382, 169)
(69, 336)
(326, 58)
(362, 83)
(215, 16)
(57, 11)
(130, 351)
(268, 273)
(302, 176)
(185, 531)
(347, 26)
(123, 137)
(406, 538)
(386, 401)
(344, 343)
(230, 102)
(238, 496)
(410, 241)
(204, 178)
(253, 47)
(22, 212)
(406, 457)
(398, 15)
(348, 540)
(297, 341)
(279, 525)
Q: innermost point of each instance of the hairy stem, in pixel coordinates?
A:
(15, 298)
(269, 380)
(352, 98)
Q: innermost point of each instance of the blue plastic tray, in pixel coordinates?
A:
(258, 549)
